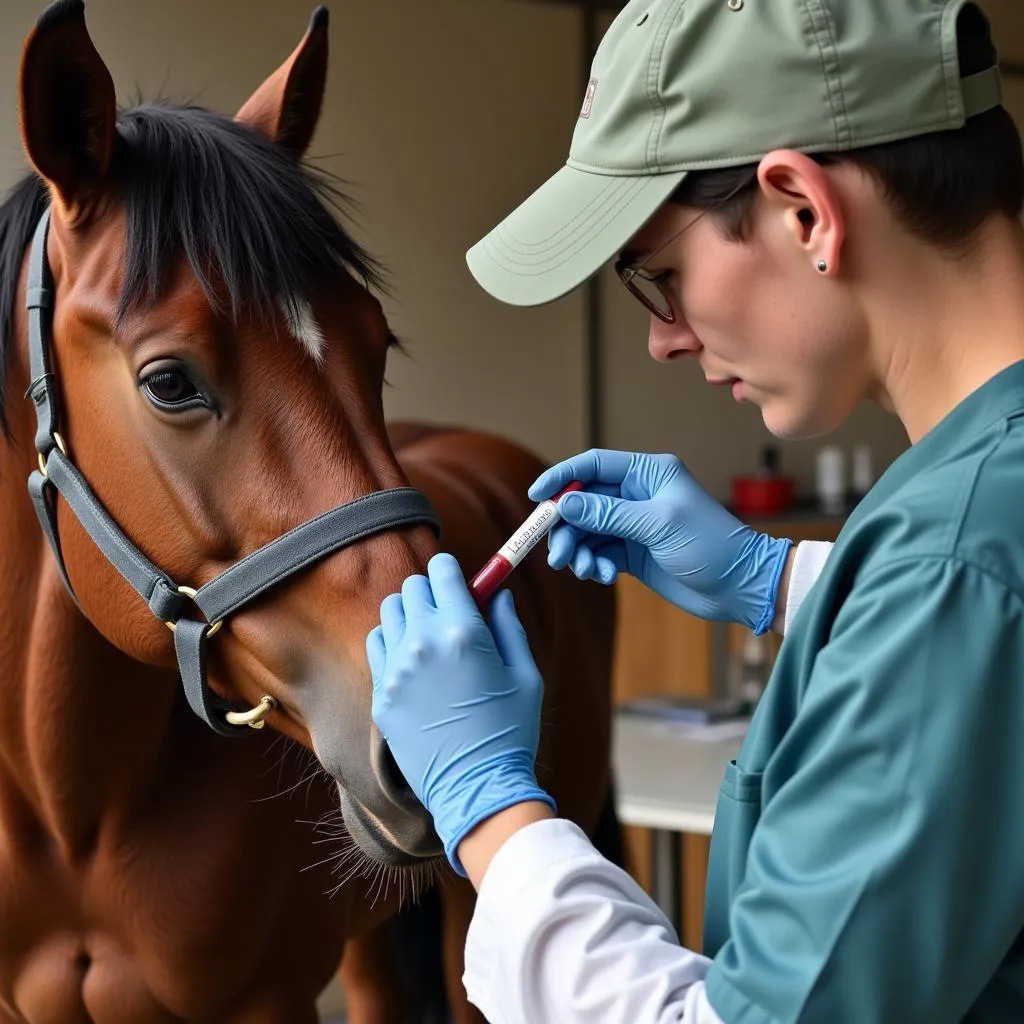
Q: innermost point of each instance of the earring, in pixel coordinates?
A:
(823, 266)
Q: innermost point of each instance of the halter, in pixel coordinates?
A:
(226, 593)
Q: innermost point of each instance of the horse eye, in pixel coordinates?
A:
(172, 388)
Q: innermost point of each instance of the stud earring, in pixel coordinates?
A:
(823, 266)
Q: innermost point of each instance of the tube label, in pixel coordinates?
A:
(525, 539)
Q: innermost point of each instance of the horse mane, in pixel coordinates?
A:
(260, 230)
(19, 215)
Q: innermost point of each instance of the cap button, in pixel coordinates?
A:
(735, 5)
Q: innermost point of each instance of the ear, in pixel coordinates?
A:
(801, 189)
(67, 105)
(286, 107)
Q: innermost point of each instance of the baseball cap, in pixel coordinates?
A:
(685, 85)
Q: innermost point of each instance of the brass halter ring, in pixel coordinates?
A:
(60, 445)
(255, 718)
(190, 593)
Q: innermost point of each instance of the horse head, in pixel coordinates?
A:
(217, 357)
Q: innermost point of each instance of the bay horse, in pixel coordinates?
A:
(192, 357)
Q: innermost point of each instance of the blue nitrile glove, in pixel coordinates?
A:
(458, 707)
(646, 516)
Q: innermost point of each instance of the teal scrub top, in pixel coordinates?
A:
(867, 861)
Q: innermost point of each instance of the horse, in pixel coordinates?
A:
(198, 820)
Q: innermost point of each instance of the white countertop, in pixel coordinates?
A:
(668, 775)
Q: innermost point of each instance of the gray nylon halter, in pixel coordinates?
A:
(233, 588)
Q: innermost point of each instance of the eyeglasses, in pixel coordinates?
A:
(652, 290)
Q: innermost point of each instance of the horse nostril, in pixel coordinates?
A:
(392, 779)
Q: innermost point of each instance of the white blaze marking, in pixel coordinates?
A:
(299, 315)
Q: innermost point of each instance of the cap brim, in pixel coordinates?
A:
(565, 232)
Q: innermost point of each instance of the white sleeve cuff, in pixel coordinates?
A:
(810, 559)
(561, 934)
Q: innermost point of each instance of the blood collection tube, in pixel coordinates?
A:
(486, 582)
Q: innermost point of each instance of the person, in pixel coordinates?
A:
(818, 203)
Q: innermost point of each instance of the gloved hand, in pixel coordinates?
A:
(646, 516)
(458, 707)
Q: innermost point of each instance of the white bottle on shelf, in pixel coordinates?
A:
(830, 480)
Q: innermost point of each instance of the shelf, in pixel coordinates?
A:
(803, 510)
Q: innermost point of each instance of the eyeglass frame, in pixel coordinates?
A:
(627, 272)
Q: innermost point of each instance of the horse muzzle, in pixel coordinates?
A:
(398, 831)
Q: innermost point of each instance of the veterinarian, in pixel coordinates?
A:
(817, 201)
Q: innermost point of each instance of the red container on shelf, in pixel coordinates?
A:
(762, 495)
(765, 493)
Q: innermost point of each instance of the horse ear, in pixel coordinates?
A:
(68, 107)
(286, 107)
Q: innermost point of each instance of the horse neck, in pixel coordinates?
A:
(81, 724)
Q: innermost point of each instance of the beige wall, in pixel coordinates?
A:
(443, 115)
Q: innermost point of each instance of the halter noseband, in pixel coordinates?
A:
(226, 593)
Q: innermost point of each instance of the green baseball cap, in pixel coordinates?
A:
(685, 85)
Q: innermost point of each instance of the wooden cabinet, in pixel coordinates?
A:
(662, 650)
